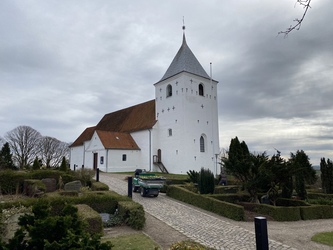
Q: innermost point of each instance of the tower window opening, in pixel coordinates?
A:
(201, 90)
(169, 91)
(202, 144)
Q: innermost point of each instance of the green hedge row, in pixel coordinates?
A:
(225, 209)
(132, 213)
(226, 189)
(94, 220)
(291, 202)
(101, 201)
(231, 198)
(99, 186)
(11, 182)
(294, 213)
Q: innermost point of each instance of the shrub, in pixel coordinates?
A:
(193, 176)
(231, 189)
(94, 220)
(279, 213)
(85, 176)
(66, 231)
(229, 210)
(316, 212)
(290, 202)
(132, 214)
(206, 182)
(99, 186)
(11, 182)
(187, 244)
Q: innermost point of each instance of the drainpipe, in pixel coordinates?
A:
(106, 160)
(149, 150)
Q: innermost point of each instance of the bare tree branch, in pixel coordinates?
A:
(297, 26)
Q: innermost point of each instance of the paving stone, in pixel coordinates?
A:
(194, 223)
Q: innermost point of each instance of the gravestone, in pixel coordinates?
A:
(50, 184)
(73, 186)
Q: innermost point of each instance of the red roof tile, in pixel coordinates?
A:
(117, 140)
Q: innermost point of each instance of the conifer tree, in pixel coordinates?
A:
(6, 161)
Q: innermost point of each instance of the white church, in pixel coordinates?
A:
(174, 133)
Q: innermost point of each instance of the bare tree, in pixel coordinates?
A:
(23, 141)
(52, 151)
(298, 22)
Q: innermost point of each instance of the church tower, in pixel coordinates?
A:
(186, 135)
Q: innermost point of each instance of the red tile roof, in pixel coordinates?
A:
(85, 136)
(135, 118)
(119, 124)
(117, 140)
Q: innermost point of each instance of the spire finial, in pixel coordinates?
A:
(183, 25)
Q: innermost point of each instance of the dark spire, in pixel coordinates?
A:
(185, 61)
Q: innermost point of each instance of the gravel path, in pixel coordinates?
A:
(170, 221)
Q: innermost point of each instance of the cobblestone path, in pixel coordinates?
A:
(194, 223)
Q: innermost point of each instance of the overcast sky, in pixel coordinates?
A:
(64, 64)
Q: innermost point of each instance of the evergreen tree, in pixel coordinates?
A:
(63, 166)
(37, 164)
(43, 230)
(303, 172)
(206, 182)
(6, 161)
(326, 170)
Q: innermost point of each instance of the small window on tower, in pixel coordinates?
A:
(169, 91)
(170, 132)
(201, 90)
(202, 144)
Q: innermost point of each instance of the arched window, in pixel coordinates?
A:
(168, 90)
(201, 90)
(202, 144)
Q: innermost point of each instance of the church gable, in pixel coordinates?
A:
(117, 140)
(85, 136)
(135, 118)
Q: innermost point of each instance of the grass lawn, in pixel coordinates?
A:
(324, 238)
(137, 241)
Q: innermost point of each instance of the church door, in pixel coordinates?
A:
(95, 160)
(159, 156)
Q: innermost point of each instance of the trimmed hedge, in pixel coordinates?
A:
(231, 198)
(99, 186)
(11, 182)
(225, 209)
(226, 189)
(291, 202)
(315, 212)
(101, 202)
(132, 214)
(94, 220)
(279, 213)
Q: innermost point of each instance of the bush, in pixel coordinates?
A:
(290, 202)
(132, 214)
(85, 176)
(94, 220)
(11, 182)
(206, 182)
(316, 212)
(279, 213)
(188, 244)
(228, 210)
(66, 231)
(99, 186)
(226, 189)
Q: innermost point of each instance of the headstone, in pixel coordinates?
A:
(73, 186)
(105, 217)
(50, 184)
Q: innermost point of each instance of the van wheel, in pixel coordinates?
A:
(135, 189)
(143, 192)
